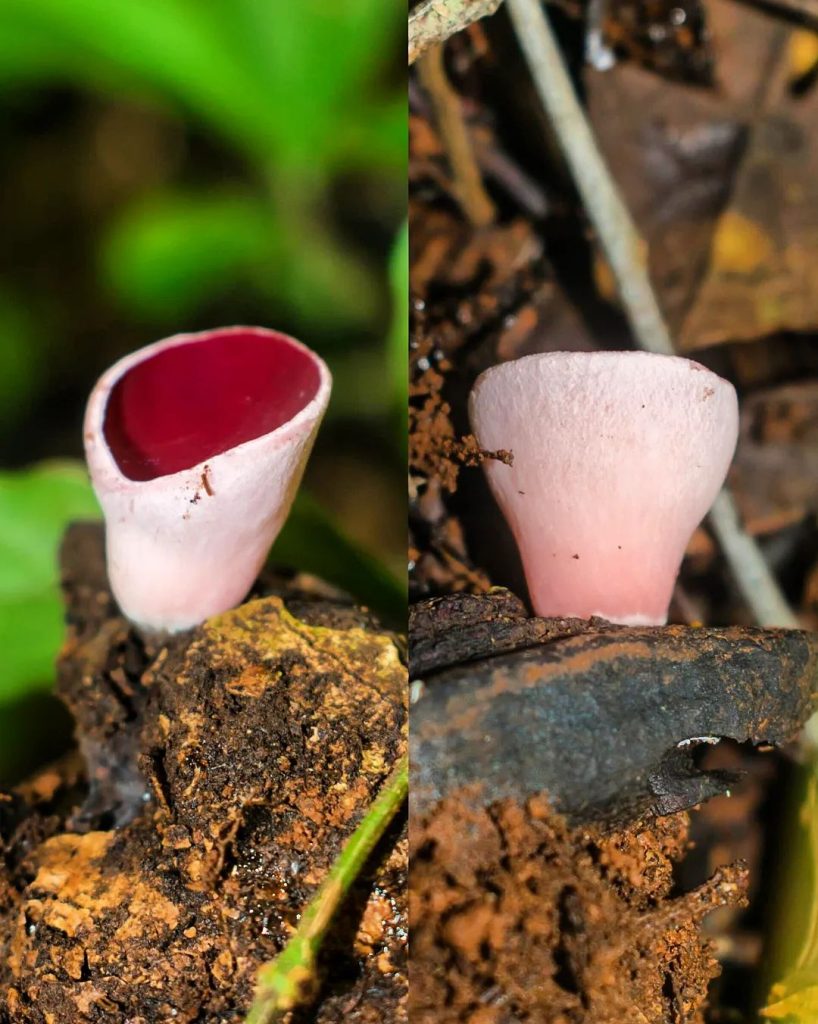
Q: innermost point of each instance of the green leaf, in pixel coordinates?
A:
(35, 507)
(37, 504)
(28, 54)
(281, 81)
(312, 274)
(169, 256)
(283, 984)
(312, 543)
(794, 999)
(315, 58)
(175, 49)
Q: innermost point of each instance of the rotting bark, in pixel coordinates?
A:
(604, 721)
(433, 21)
(467, 627)
(228, 765)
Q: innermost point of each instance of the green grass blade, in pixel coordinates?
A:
(285, 982)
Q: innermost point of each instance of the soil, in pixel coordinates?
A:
(516, 917)
(600, 911)
(223, 769)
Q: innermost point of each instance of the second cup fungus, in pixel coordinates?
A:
(196, 446)
(617, 457)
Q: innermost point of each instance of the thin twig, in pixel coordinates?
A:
(433, 21)
(285, 982)
(627, 255)
(626, 252)
(468, 182)
(753, 578)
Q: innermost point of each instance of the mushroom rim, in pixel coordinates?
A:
(101, 459)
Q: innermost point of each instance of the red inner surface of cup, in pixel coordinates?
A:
(198, 399)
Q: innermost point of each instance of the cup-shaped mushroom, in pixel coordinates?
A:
(196, 446)
(617, 456)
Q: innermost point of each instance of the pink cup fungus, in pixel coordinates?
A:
(617, 456)
(196, 446)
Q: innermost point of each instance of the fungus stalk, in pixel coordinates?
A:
(196, 446)
(617, 456)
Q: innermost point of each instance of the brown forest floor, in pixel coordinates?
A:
(709, 123)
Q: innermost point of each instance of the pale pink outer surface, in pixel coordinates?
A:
(173, 561)
(617, 458)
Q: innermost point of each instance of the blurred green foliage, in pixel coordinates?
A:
(165, 258)
(291, 84)
(399, 337)
(298, 104)
(789, 979)
(296, 89)
(35, 505)
(311, 541)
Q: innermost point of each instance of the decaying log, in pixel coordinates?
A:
(603, 721)
(228, 765)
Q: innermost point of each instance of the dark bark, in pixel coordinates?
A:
(604, 721)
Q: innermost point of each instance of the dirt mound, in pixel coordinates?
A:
(226, 767)
(515, 917)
